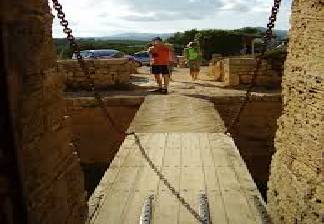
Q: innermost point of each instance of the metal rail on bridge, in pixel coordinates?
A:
(147, 210)
(146, 216)
(204, 211)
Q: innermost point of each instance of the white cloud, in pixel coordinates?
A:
(106, 17)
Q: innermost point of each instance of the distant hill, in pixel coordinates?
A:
(282, 34)
(136, 36)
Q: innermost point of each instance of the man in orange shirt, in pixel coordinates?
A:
(160, 60)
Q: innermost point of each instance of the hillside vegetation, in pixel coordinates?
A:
(212, 41)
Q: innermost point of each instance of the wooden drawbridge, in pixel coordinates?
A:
(183, 137)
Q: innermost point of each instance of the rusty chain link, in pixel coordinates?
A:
(88, 73)
(266, 41)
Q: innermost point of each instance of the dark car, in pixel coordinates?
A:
(143, 57)
(107, 54)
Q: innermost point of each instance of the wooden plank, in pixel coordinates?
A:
(111, 210)
(215, 197)
(193, 163)
(192, 177)
(173, 150)
(206, 154)
(250, 191)
(97, 199)
(156, 149)
(146, 182)
(190, 152)
(167, 206)
(117, 197)
(219, 153)
(136, 159)
(248, 188)
(235, 202)
(217, 209)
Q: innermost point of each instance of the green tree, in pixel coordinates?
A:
(211, 41)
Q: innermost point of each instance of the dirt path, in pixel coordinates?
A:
(187, 107)
(204, 88)
(183, 109)
(182, 83)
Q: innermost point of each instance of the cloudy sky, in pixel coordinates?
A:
(92, 18)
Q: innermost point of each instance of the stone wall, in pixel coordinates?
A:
(216, 69)
(296, 188)
(90, 126)
(239, 71)
(12, 209)
(181, 61)
(50, 172)
(108, 73)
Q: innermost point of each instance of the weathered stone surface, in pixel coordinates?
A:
(95, 136)
(239, 71)
(108, 72)
(181, 61)
(216, 69)
(51, 176)
(230, 78)
(296, 184)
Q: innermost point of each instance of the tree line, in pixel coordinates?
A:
(211, 41)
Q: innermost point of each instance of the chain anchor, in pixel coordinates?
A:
(204, 211)
(146, 217)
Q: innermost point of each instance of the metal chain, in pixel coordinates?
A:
(84, 66)
(267, 40)
(76, 50)
(73, 44)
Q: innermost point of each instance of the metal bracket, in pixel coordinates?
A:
(146, 217)
(204, 211)
(262, 210)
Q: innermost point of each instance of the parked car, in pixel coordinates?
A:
(107, 54)
(143, 57)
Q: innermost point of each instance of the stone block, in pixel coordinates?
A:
(108, 72)
(245, 68)
(52, 182)
(231, 80)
